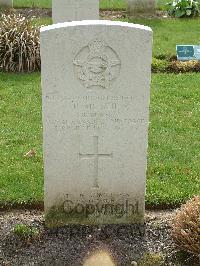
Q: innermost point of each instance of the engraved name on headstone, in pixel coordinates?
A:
(96, 91)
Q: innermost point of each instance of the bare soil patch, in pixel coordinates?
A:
(70, 245)
(104, 14)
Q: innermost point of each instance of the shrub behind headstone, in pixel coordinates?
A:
(19, 44)
(183, 8)
(186, 227)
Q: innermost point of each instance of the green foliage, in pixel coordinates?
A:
(33, 3)
(25, 232)
(152, 259)
(21, 178)
(175, 66)
(104, 4)
(183, 8)
(19, 44)
(159, 65)
(173, 158)
(186, 226)
(167, 33)
(185, 66)
(170, 32)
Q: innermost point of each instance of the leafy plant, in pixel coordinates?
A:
(25, 232)
(186, 227)
(183, 8)
(19, 44)
(152, 259)
(184, 66)
(159, 65)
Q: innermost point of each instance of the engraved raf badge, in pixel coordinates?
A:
(97, 65)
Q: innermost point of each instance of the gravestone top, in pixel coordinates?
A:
(6, 3)
(94, 22)
(138, 7)
(74, 10)
(96, 93)
(188, 52)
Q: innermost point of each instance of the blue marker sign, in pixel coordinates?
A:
(188, 52)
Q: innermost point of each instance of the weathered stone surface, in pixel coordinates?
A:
(141, 6)
(6, 3)
(74, 10)
(96, 88)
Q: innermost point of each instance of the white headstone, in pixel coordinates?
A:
(96, 90)
(74, 10)
(6, 3)
(141, 6)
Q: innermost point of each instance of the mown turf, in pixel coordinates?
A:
(21, 179)
(104, 4)
(167, 33)
(170, 32)
(32, 3)
(174, 141)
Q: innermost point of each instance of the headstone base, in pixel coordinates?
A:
(96, 209)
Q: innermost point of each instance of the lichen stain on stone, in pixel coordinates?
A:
(57, 217)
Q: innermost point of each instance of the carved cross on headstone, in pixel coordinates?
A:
(95, 156)
(185, 50)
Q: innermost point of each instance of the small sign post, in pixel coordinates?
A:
(188, 52)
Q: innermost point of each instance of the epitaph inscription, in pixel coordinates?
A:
(95, 113)
(97, 65)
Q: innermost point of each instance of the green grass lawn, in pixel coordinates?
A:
(167, 33)
(174, 143)
(174, 140)
(104, 4)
